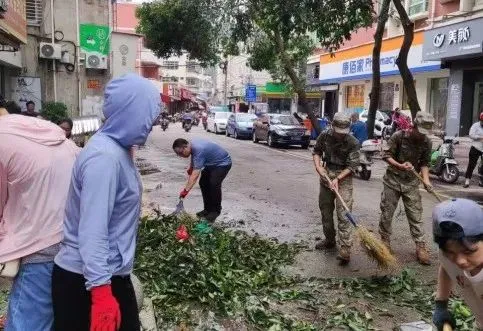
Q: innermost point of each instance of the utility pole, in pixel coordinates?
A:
(224, 68)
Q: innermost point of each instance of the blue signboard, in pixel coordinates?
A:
(251, 93)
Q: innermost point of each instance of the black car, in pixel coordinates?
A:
(277, 129)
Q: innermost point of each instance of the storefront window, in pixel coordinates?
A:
(386, 99)
(438, 101)
(279, 106)
(354, 97)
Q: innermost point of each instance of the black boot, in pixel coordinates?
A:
(201, 214)
(212, 216)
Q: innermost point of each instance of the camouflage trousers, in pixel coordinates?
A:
(412, 205)
(327, 204)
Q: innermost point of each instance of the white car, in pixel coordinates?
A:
(217, 122)
(379, 124)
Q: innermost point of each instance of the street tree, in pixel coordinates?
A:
(376, 67)
(278, 36)
(402, 59)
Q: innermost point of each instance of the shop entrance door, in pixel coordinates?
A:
(478, 102)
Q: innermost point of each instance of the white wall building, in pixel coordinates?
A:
(190, 74)
(239, 74)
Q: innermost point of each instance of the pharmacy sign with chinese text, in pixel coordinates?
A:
(454, 40)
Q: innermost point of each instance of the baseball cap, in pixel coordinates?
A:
(341, 123)
(465, 213)
(424, 121)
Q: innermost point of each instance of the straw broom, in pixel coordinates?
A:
(373, 247)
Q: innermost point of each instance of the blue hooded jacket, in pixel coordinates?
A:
(103, 205)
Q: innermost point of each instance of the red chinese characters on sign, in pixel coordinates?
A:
(93, 84)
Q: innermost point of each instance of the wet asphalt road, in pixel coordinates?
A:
(274, 192)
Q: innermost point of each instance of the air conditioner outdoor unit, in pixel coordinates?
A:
(95, 61)
(50, 51)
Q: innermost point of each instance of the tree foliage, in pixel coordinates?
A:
(277, 35)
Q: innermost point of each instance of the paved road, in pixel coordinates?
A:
(274, 192)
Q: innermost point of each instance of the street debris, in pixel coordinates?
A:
(229, 280)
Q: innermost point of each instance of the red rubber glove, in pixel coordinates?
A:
(189, 171)
(182, 233)
(105, 313)
(183, 194)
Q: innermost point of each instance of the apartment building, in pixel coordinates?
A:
(345, 78)
(183, 80)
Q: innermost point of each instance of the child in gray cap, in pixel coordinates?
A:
(458, 230)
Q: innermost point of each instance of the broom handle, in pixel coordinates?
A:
(447, 327)
(436, 195)
(344, 205)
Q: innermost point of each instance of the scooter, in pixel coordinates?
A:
(187, 125)
(164, 124)
(443, 163)
(368, 149)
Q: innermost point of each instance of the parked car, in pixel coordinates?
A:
(380, 123)
(280, 129)
(217, 122)
(219, 109)
(240, 125)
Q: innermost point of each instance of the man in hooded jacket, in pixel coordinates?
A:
(91, 287)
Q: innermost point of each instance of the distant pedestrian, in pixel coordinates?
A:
(458, 231)
(476, 150)
(30, 109)
(66, 124)
(358, 128)
(407, 150)
(340, 153)
(91, 285)
(212, 163)
(35, 170)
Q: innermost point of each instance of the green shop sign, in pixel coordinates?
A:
(94, 38)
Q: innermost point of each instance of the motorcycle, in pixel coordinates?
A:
(443, 163)
(164, 124)
(367, 151)
(187, 123)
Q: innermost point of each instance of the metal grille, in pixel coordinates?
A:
(34, 12)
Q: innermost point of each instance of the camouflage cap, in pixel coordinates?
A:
(341, 123)
(424, 122)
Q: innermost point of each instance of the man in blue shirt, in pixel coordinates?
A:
(358, 128)
(210, 161)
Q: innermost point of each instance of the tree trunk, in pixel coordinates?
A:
(402, 60)
(297, 83)
(376, 67)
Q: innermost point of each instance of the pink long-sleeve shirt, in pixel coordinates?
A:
(36, 163)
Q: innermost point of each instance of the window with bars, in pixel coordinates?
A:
(173, 65)
(190, 81)
(417, 7)
(33, 9)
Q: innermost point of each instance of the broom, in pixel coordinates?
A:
(431, 191)
(373, 247)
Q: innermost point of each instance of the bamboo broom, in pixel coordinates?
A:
(373, 247)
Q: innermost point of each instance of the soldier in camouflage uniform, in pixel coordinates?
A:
(340, 153)
(407, 150)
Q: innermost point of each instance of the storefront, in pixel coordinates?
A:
(459, 47)
(351, 69)
(171, 97)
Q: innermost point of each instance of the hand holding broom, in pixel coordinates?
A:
(372, 246)
(429, 189)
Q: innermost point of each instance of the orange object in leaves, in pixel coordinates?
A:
(182, 233)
